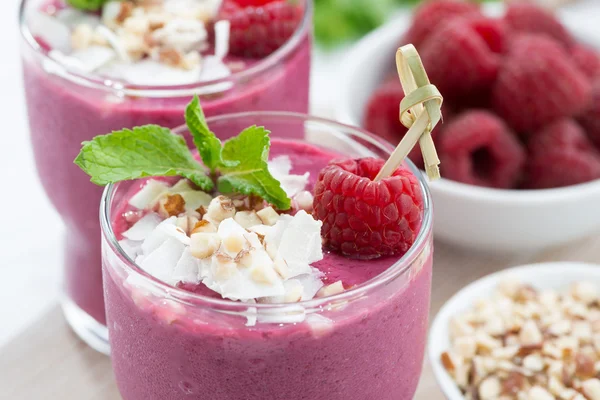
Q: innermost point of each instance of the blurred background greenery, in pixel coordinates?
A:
(337, 21)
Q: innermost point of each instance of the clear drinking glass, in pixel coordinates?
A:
(66, 107)
(365, 343)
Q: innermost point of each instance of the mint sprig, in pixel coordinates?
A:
(237, 166)
(90, 5)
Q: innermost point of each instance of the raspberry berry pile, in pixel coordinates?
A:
(522, 96)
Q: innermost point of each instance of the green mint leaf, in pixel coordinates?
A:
(251, 175)
(90, 5)
(148, 150)
(207, 143)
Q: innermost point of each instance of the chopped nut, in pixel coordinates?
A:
(203, 245)
(81, 37)
(539, 393)
(264, 274)
(330, 290)
(459, 327)
(137, 25)
(234, 243)
(172, 205)
(560, 328)
(509, 286)
(490, 388)
(530, 334)
(268, 216)
(583, 331)
(125, 11)
(447, 361)
(191, 60)
(220, 208)
(533, 362)
(513, 384)
(247, 219)
(170, 57)
(584, 366)
(204, 226)
(591, 389)
(465, 347)
(585, 292)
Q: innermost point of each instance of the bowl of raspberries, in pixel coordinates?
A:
(520, 138)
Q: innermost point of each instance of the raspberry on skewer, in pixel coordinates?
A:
(370, 208)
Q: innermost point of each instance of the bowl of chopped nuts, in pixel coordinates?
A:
(529, 332)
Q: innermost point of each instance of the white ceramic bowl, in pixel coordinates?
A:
(557, 275)
(466, 215)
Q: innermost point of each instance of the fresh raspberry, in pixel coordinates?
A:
(459, 59)
(538, 84)
(432, 14)
(257, 31)
(479, 149)
(561, 167)
(562, 134)
(528, 18)
(590, 118)
(587, 59)
(367, 219)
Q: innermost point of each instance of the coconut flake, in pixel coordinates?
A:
(158, 236)
(161, 262)
(114, 41)
(298, 241)
(54, 32)
(222, 31)
(187, 268)
(141, 229)
(93, 57)
(194, 199)
(149, 194)
(280, 167)
(131, 247)
(311, 284)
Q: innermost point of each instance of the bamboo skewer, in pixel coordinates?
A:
(420, 111)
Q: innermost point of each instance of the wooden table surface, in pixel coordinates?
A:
(47, 361)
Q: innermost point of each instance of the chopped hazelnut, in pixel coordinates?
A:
(82, 36)
(447, 361)
(530, 334)
(490, 388)
(220, 208)
(234, 243)
(330, 290)
(268, 216)
(591, 389)
(203, 245)
(247, 219)
(533, 362)
(585, 292)
(125, 11)
(584, 366)
(539, 393)
(204, 226)
(173, 205)
(264, 274)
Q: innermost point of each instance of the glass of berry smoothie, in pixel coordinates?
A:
(227, 297)
(88, 72)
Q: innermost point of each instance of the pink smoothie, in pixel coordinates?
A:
(370, 347)
(63, 113)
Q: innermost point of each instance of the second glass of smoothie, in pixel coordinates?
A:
(67, 106)
(367, 342)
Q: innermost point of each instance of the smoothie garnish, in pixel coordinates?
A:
(370, 209)
(524, 343)
(160, 42)
(92, 5)
(238, 165)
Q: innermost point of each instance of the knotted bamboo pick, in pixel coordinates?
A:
(420, 111)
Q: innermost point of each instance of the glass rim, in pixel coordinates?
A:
(399, 267)
(108, 83)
